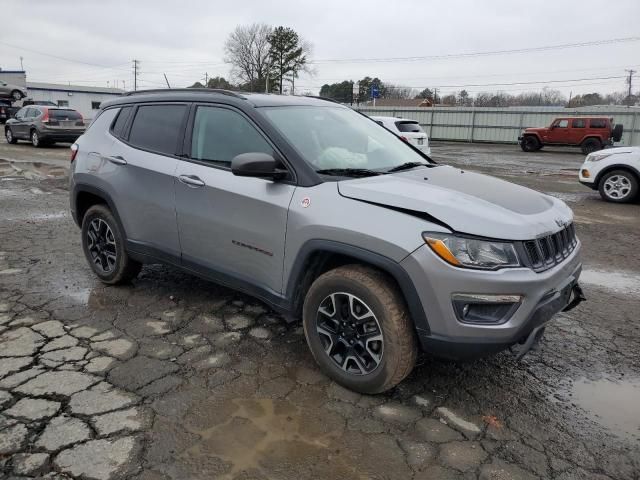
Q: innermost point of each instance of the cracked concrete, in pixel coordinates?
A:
(172, 377)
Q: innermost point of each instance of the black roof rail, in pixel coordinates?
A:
(322, 98)
(173, 90)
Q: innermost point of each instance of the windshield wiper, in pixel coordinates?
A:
(407, 166)
(349, 172)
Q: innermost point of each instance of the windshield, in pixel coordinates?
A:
(334, 137)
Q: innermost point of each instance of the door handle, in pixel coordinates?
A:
(191, 181)
(118, 160)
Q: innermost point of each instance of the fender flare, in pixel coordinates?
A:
(616, 166)
(388, 265)
(79, 188)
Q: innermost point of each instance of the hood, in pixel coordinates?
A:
(536, 129)
(467, 202)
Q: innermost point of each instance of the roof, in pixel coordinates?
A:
(393, 119)
(56, 87)
(204, 95)
(402, 102)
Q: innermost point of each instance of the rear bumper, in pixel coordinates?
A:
(60, 136)
(544, 294)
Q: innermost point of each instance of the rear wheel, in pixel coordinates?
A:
(358, 329)
(16, 95)
(103, 245)
(590, 145)
(36, 141)
(619, 186)
(530, 144)
(9, 136)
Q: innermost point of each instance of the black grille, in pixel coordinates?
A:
(546, 252)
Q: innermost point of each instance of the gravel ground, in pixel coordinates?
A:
(172, 377)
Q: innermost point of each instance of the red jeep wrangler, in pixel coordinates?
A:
(589, 133)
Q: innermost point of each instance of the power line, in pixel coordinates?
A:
(37, 52)
(481, 53)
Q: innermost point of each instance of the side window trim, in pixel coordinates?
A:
(185, 153)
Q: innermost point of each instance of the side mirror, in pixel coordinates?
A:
(552, 126)
(257, 164)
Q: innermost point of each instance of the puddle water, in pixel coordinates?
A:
(569, 197)
(620, 281)
(613, 404)
(254, 434)
(31, 170)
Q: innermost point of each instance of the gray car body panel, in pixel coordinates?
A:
(258, 234)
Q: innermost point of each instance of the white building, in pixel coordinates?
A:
(86, 100)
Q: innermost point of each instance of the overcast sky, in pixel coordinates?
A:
(96, 41)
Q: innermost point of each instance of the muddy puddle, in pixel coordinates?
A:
(623, 282)
(570, 197)
(261, 435)
(31, 170)
(613, 404)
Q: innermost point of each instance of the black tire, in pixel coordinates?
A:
(111, 271)
(36, 141)
(590, 145)
(618, 186)
(530, 143)
(8, 134)
(616, 134)
(373, 290)
(16, 95)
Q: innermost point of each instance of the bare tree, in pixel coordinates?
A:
(247, 50)
(398, 91)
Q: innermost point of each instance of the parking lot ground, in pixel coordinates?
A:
(173, 377)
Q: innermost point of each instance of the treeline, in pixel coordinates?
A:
(343, 92)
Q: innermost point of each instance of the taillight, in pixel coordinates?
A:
(80, 123)
(47, 121)
(74, 151)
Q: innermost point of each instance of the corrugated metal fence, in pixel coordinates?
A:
(502, 125)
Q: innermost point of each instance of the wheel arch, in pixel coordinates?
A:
(319, 256)
(85, 196)
(617, 166)
(594, 137)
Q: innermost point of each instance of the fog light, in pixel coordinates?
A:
(585, 173)
(485, 309)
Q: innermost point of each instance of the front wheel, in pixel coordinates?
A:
(9, 136)
(16, 95)
(103, 245)
(618, 186)
(36, 141)
(358, 329)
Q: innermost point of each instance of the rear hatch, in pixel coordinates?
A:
(65, 119)
(413, 133)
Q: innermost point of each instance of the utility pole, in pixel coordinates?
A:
(206, 79)
(136, 71)
(21, 66)
(630, 82)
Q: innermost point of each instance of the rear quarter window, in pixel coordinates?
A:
(157, 128)
(598, 123)
(118, 128)
(409, 127)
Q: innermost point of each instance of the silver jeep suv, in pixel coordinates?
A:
(326, 216)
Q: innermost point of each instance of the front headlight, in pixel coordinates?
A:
(472, 253)
(595, 157)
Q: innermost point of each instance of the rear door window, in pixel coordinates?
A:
(219, 134)
(579, 123)
(157, 128)
(409, 127)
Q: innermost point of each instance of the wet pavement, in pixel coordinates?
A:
(173, 377)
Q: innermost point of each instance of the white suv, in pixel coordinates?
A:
(409, 130)
(615, 172)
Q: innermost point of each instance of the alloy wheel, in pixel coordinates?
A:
(350, 333)
(101, 244)
(9, 135)
(617, 187)
(35, 139)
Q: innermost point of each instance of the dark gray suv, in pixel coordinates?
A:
(326, 216)
(43, 125)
